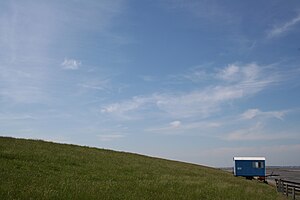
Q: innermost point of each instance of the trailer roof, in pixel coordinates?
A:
(249, 158)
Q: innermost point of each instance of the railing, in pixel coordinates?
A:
(288, 188)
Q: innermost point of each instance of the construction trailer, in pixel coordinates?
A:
(250, 167)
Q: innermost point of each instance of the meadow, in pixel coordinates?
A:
(34, 169)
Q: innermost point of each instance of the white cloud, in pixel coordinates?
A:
(250, 114)
(129, 109)
(240, 81)
(248, 73)
(71, 64)
(175, 124)
(126, 106)
(231, 72)
(257, 132)
(95, 87)
(284, 28)
(200, 102)
(255, 113)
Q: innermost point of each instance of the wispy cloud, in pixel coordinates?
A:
(14, 117)
(185, 128)
(248, 74)
(233, 82)
(24, 94)
(95, 87)
(21, 86)
(148, 78)
(200, 103)
(279, 30)
(256, 113)
(97, 84)
(110, 137)
(124, 109)
(174, 127)
(32, 32)
(254, 124)
(195, 74)
(257, 133)
(71, 64)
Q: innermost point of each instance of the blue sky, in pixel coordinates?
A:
(196, 81)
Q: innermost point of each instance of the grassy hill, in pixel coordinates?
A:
(31, 169)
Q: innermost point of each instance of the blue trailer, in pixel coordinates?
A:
(250, 167)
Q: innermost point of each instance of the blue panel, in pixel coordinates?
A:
(250, 168)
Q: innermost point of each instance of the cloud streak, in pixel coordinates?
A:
(256, 113)
(22, 86)
(284, 28)
(185, 128)
(110, 137)
(34, 40)
(234, 82)
(15, 117)
(248, 134)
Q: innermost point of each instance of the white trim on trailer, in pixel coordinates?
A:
(249, 158)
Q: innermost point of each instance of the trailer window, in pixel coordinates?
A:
(258, 164)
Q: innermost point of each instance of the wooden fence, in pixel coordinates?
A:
(288, 188)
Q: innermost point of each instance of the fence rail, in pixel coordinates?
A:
(289, 188)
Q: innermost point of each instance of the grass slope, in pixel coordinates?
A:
(32, 169)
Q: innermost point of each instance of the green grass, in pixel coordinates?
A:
(31, 169)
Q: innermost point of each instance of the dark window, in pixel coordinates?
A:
(258, 164)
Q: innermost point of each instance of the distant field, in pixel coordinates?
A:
(288, 173)
(42, 170)
(285, 173)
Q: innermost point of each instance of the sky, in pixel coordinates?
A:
(191, 80)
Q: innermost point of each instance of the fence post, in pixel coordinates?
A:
(278, 185)
(288, 188)
(281, 186)
(293, 193)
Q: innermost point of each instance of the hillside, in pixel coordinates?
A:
(44, 170)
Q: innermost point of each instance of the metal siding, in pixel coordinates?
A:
(249, 158)
(245, 168)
